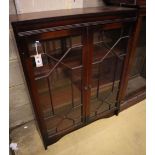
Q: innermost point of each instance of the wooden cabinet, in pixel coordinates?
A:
(82, 53)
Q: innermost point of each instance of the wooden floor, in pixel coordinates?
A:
(122, 135)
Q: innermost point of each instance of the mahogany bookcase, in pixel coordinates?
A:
(84, 54)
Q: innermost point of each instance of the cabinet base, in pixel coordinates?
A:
(130, 102)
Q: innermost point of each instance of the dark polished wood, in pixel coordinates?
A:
(128, 2)
(33, 21)
(69, 13)
(63, 91)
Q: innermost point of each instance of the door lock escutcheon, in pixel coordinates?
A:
(87, 87)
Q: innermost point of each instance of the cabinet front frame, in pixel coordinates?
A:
(87, 40)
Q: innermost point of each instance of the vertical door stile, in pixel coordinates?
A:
(35, 100)
(87, 62)
(84, 74)
(28, 71)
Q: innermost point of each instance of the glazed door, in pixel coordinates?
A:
(137, 75)
(58, 78)
(110, 44)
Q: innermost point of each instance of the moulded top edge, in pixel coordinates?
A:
(62, 14)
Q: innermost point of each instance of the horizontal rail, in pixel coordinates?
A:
(67, 27)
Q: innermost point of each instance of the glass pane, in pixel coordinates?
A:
(110, 48)
(59, 82)
(137, 77)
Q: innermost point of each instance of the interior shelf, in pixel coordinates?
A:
(74, 62)
(104, 102)
(71, 62)
(67, 117)
(135, 84)
(101, 50)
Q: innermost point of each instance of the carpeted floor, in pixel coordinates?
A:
(122, 135)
